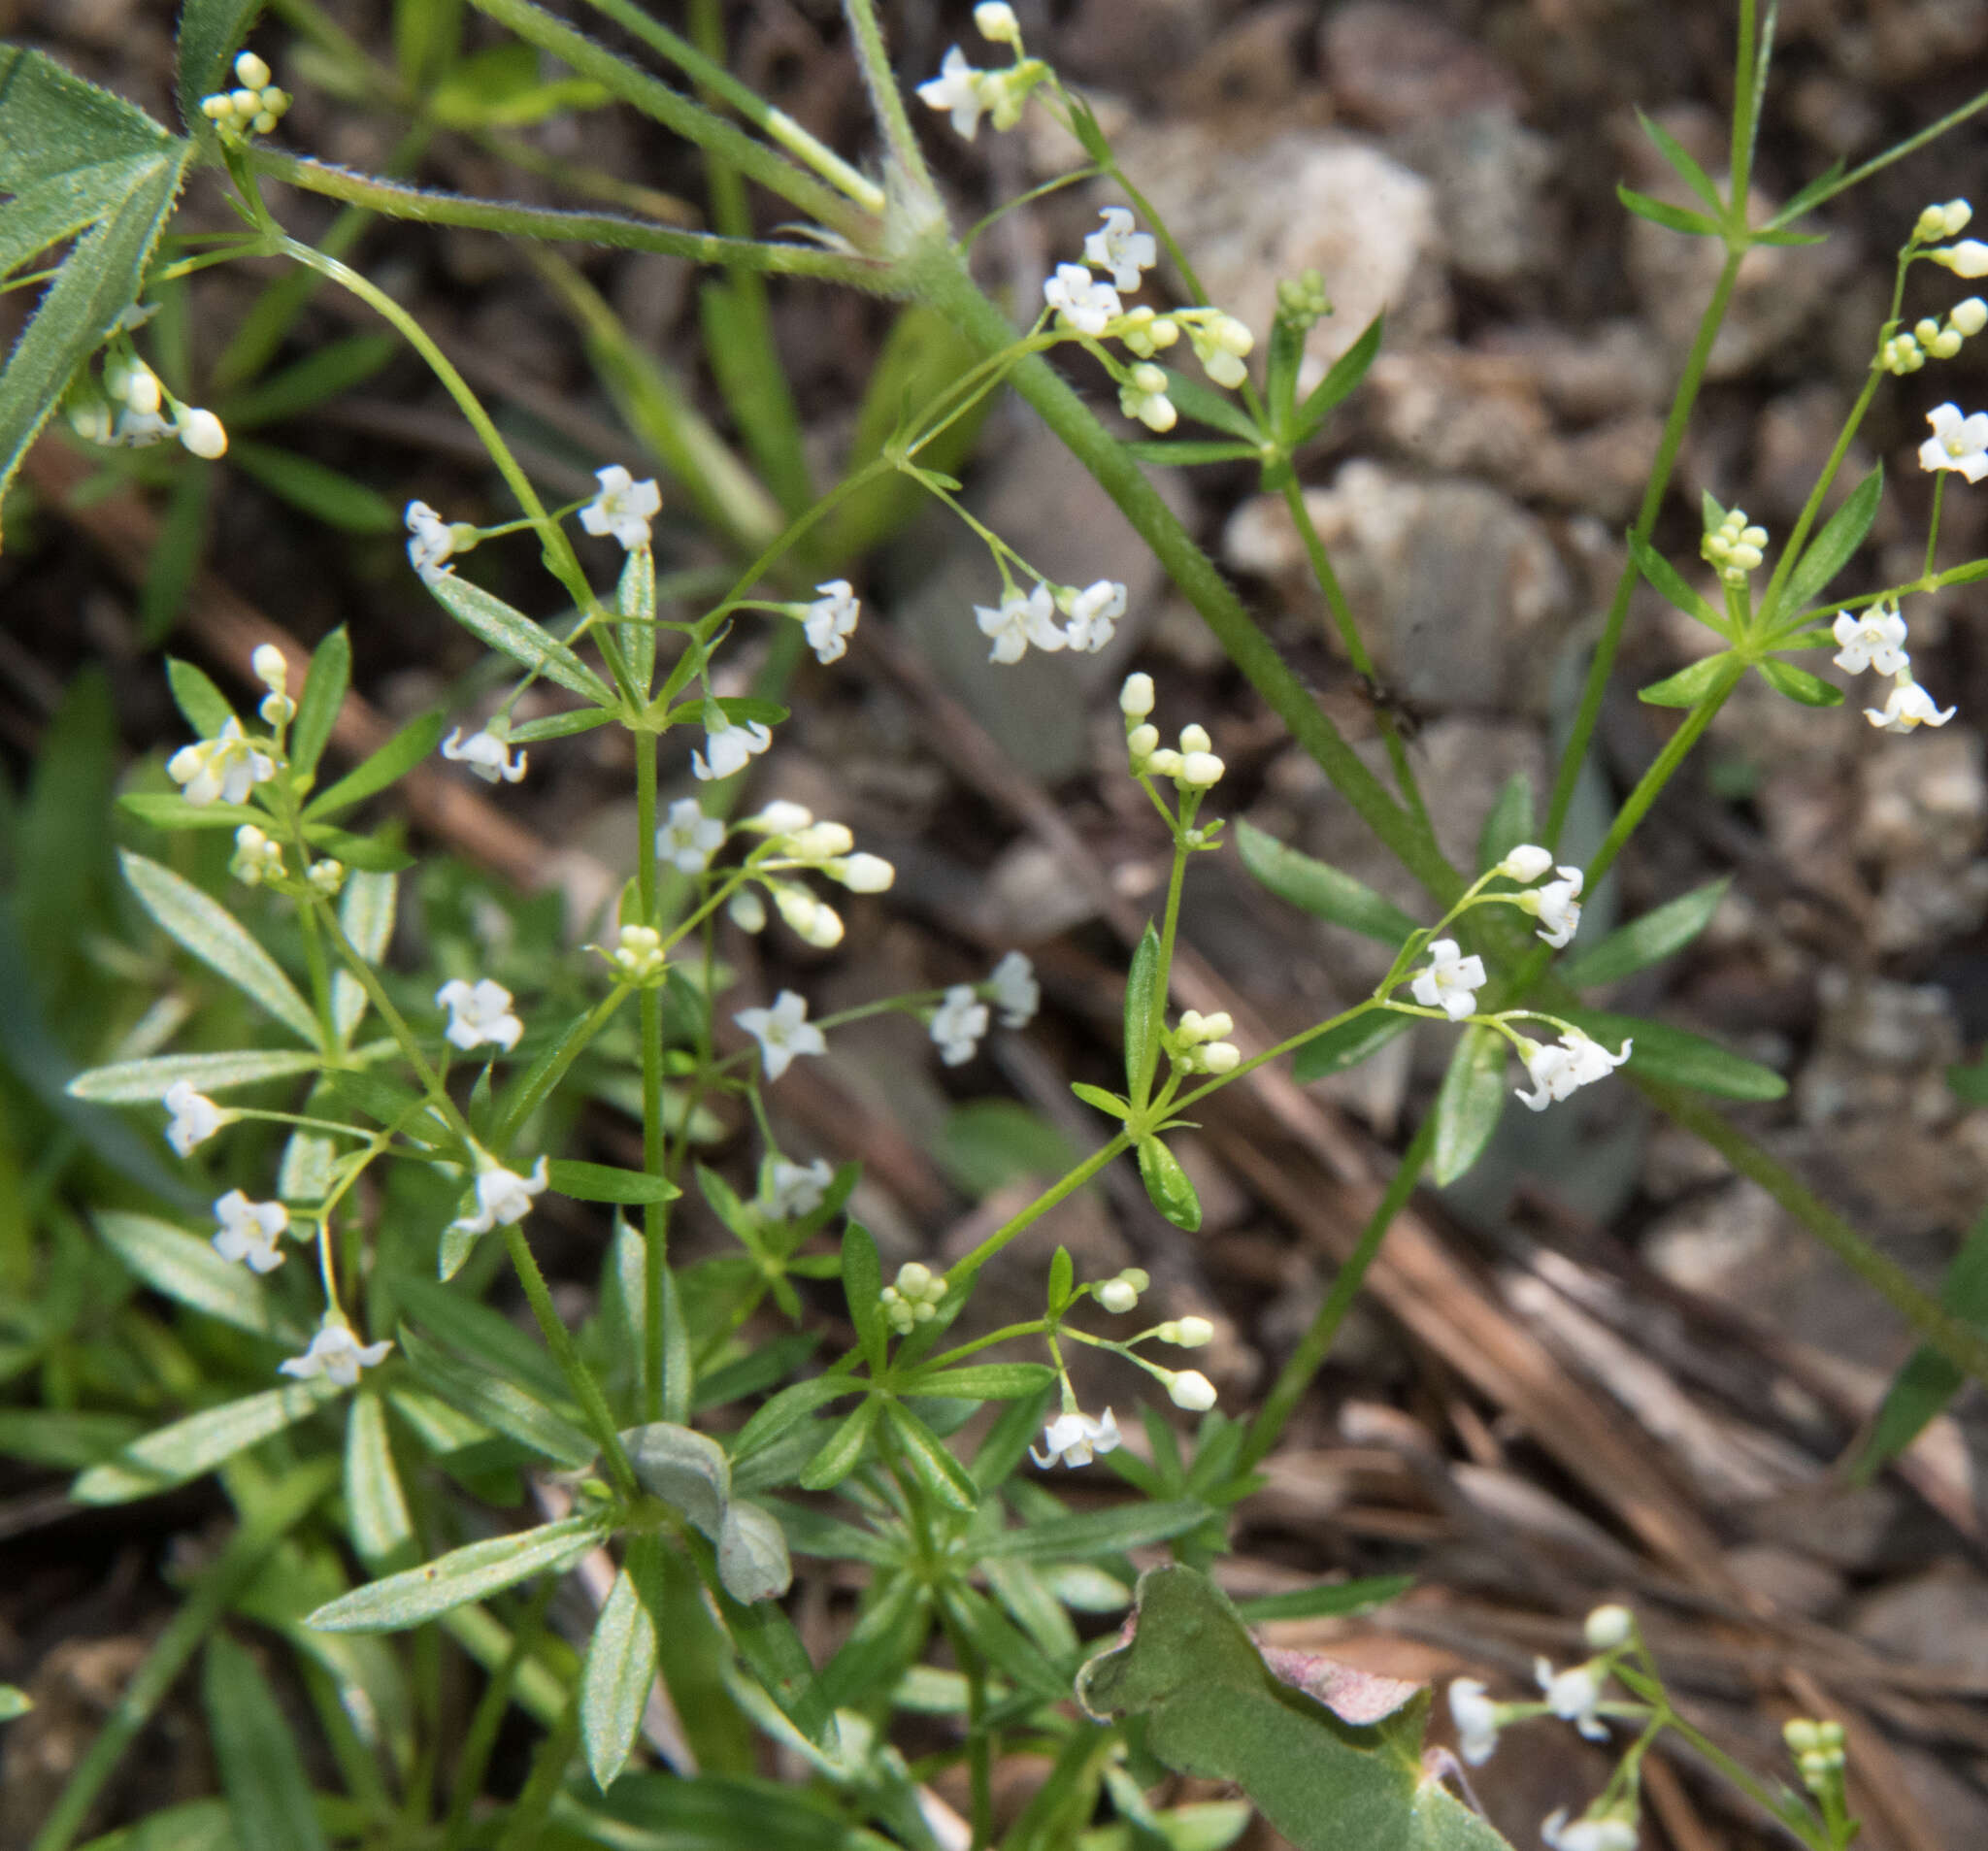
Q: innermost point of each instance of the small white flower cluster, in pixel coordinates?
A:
(1120, 1294)
(256, 858)
(1451, 982)
(1970, 257)
(625, 508)
(794, 840)
(637, 954)
(728, 746)
(830, 621)
(1928, 339)
(1076, 1439)
(1022, 618)
(1012, 989)
(433, 542)
(965, 94)
(1818, 1751)
(1560, 1069)
(479, 1012)
(1557, 904)
(250, 1231)
(1197, 1045)
(1877, 640)
(959, 1023)
(687, 839)
(1194, 767)
(784, 1032)
(254, 107)
(503, 1197)
(487, 754)
(134, 410)
(223, 769)
(1957, 443)
(195, 1117)
(915, 1299)
(1734, 547)
(791, 1190)
(337, 1354)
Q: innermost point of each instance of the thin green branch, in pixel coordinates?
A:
(1878, 162)
(887, 102)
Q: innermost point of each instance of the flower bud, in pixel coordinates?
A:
(251, 71)
(1135, 696)
(1944, 345)
(1220, 1057)
(747, 911)
(1954, 216)
(1970, 316)
(1526, 863)
(1192, 1390)
(1195, 739)
(270, 667)
(1189, 1333)
(861, 874)
(217, 107)
(1802, 1736)
(779, 818)
(1142, 742)
(1607, 1627)
(912, 1277)
(1163, 763)
(820, 841)
(1116, 1295)
(1967, 258)
(245, 101)
(997, 23)
(1214, 1027)
(1926, 331)
(326, 877)
(203, 433)
(1201, 770)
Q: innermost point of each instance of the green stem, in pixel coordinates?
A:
(541, 1083)
(941, 279)
(1355, 643)
(655, 1219)
(1017, 1223)
(889, 105)
(1961, 1346)
(487, 1718)
(1294, 1378)
(1574, 755)
(1878, 162)
(587, 1391)
(1651, 783)
(1791, 552)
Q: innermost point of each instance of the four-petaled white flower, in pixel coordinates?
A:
(1017, 621)
(1082, 300)
(225, 768)
(337, 1353)
(959, 88)
(796, 1189)
(688, 838)
(479, 1012)
(783, 1032)
(1015, 991)
(503, 1196)
(1572, 1695)
(1560, 1069)
(1876, 640)
(1115, 246)
(959, 1023)
(1905, 706)
(1476, 1717)
(830, 621)
(1588, 1834)
(727, 746)
(1556, 906)
(1957, 442)
(486, 754)
(1093, 613)
(623, 507)
(430, 542)
(195, 1117)
(1451, 983)
(1077, 1440)
(250, 1231)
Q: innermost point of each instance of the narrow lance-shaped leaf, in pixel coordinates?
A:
(324, 691)
(1831, 549)
(863, 1288)
(140, 1082)
(394, 760)
(1348, 1045)
(1318, 888)
(1688, 687)
(202, 706)
(1798, 684)
(263, 1774)
(926, 1453)
(377, 1513)
(616, 1680)
(471, 1573)
(186, 1269)
(200, 1442)
(1344, 374)
(1649, 940)
(1470, 1103)
(1679, 1057)
(1167, 1185)
(513, 634)
(1144, 1012)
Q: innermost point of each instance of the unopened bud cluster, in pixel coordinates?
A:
(131, 408)
(915, 1299)
(1121, 1294)
(1197, 1045)
(1734, 547)
(1928, 339)
(637, 954)
(1193, 767)
(255, 106)
(1818, 1751)
(1302, 301)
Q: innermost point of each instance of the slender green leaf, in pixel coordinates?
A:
(1670, 584)
(1348, 1045)
(200, 1442)
(1096, 1533)
(1831, 549)
(1470, 1103)
(1167, 1185)
(316, 488)
(1510, 822)
(187, 1270)
(1182, 452)
(498, 1404)
(1201, 402)
(368, 852)
(203, 705)
(1330, 1602)
(1319, 890)
(59, 206)
(616, 1680)
(211, 932)
(324, 373)
(513, 634)
(398, 756)
(1685, 167)
(1682, 1059)
(268, 1792)
(163, 810)
(377, 1513)
(210, 31)
(1798, 684)
(1821, 187)
(1690, 685)
(1649, 939)
(983, 1381)
(578, 719)
(840, 1451)
(790, 1406)
(474, 1572)
(753, 1563)
(324, 693)
(177, 554)
(1344, 374)
(1144, 1013)
(601, 1182)
(1107, 1102)
(141, 1083)
(929, 1457)
(863, 1288)
(1670, 218)
(64, 1438)
(634, 598)
(484, 1335)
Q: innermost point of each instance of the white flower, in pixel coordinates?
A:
(1556, 906)
(795, 1189)
(1115, 246)
(1192, 1390)
(959, 1023)
(1012, 987)
(1907, 706)
(1476, 1717)
(783, 1032)
(1559, 1069)
(1877, 640)
(326, 877)
(1087, 304)
(960, 89)
(1019, 620)
(337, 1353)
(1526, 863)
(1957, 442)
(226, 767)
(256, 858)
(1572, 1695)
(747, 911)
(250, 1231)
(1588, 1834)
(688, 838)
(1077, 1440)
(830, 621)
(622, 508)
(195, 1119)
(430, 542)
(1451, 983)
(1093, 612)
(502, 1196)
(479, 1012)
(486, 754)
(1144, 396)
(729, 748)
(1607, 1627)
